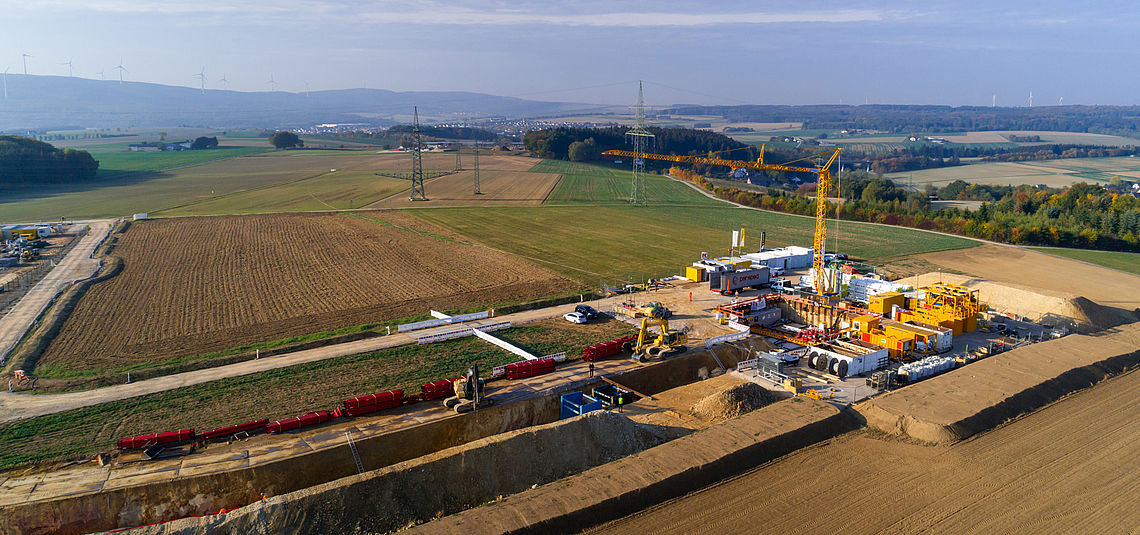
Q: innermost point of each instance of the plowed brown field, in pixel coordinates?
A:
(194, 285)
(497, 188)
(1069, 468)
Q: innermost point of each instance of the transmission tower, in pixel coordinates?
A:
(476, 156)
(641, 139)
(417, 158)
(459, 158)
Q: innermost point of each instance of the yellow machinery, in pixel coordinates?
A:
(814, 394)
(899, 343)
(883, 303)
(823, 192)
(665, 344)
(946, 305)
(653, 309)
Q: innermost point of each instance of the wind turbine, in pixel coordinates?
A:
(1030, 99)
(25, 58)
(272, 83)
(1061, 101)
(993, 103)
(306, 89)
(6, 82)
(121, 70)
(225, 83)
(68, 63)
(100, 73)
(201, 76)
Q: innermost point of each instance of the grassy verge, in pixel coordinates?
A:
(1127, 262)
(279, 393)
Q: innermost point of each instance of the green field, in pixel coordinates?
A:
(589, 243)
(154, 191)
(116, 163)
(1128, 262)
(592, 184)
(282, 392)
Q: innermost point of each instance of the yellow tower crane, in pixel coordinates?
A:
(823, 284)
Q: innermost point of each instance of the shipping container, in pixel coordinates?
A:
(735, 281)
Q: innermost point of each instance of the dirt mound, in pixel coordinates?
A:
(1050, 307)
(732, 403)
(978, 397)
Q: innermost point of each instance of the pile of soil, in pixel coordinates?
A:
(732, 403)
(1047, 306)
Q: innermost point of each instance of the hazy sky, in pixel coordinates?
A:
(728, 52)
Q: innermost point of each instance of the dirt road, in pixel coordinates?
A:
(77, 265)
(17, 406)
(1068, 468)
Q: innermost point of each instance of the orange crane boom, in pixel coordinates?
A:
(823, 192)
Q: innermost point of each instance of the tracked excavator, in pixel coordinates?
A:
(468, 393)
(667, 342)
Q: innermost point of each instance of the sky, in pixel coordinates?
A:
(725, 52)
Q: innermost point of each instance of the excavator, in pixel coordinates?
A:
(666, 344)
(468, 393)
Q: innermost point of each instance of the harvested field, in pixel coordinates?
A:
(194, 285)
(1055, 173)
(1064, 469)
(497, 187)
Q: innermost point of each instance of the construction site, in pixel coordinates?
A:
(793, 369)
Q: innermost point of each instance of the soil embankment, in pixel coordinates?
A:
(655, 475)
(1067, 468)
(963, 402)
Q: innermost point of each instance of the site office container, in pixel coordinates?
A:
(374, 402)
(529, 368)
(169, 437)
(737, 280)
(605, 349)
(234, 429)
(438, 389)
(298, 422)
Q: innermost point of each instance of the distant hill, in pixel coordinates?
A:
(58, 102)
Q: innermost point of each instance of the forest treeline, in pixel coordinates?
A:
(27, 162)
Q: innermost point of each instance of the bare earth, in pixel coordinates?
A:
(1107, 287)
(192, 285)
(1034, 475)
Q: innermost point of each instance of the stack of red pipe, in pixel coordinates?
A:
(233, 429)
(373, 402)
(529, 368)
(605, 349)
(298, 422)
(437, 389)
(169, 437)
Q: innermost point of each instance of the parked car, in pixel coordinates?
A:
(574, 317)
(776, 271)
(588, 311)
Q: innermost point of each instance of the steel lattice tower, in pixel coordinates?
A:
(417, 159)
(641, 139)
(476, 156)
(459, 158)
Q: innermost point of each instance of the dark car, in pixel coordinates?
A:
(588, 311)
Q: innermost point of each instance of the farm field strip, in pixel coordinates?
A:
(658, 240)
(1061, 172)
(1120, 261)
(341, 190)
(594, 184)
(195, 285)
(497, 187)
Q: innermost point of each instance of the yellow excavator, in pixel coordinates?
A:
(666, 344)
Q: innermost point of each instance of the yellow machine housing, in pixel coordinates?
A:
(666, 343)
(883, 303)
(899, 343)
(695, 274)
(946, 305)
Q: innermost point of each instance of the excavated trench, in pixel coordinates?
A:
(599, 440)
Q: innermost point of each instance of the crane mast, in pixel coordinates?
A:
(823, 285)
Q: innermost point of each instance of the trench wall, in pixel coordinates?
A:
(165, 499)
